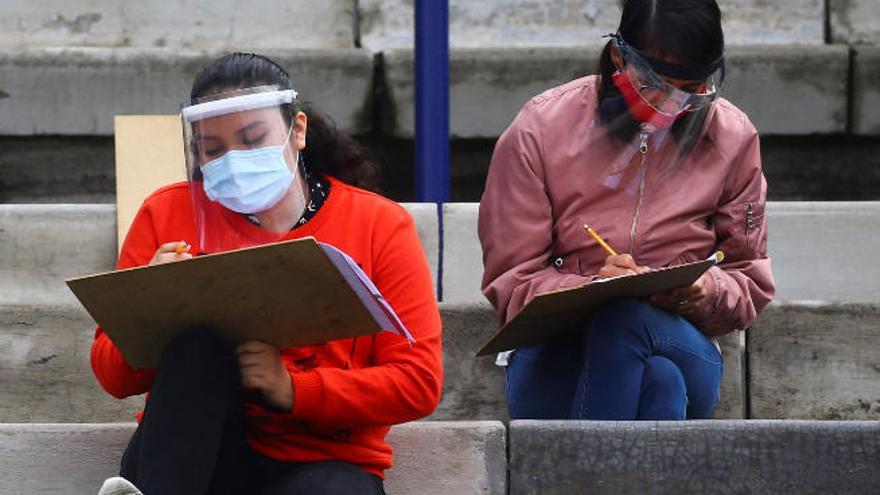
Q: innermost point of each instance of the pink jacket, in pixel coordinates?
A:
(554, 169)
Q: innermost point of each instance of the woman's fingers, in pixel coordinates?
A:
(171, 251)
(620, 264)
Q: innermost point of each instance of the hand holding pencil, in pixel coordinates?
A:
(616, 265)
(171, 251)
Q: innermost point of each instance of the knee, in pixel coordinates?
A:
(662, 374)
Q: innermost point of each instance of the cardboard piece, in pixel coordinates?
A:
(288, 294)
(552, 313)
(149, 155)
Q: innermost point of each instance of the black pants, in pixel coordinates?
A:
(191, 440)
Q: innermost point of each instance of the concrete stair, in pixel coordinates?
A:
(539, 457)
(719, 457)
(812, 360)
(431, 458)
(805, 71)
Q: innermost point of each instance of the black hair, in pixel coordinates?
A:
(327, 151)
(688, 30)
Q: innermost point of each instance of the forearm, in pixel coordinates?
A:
(113, 373)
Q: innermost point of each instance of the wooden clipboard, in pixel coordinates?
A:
(288, 294)
(553, 313)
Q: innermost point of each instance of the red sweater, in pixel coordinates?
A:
(348, 392)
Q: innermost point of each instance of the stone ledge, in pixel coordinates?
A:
(719, 457)
(801, 234)
(489, 86)
(389, 23)
(854, 21)
(78, 91)
(44, 244)
(866, 90)
(44, 356)
(184, 24)
(815, 361)
(430, 458)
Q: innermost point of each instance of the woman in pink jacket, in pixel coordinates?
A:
(649, 156)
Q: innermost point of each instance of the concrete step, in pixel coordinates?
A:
(866, 87)
(815, 361)
(488, 86)
(380, 24)
(815, 248)
(78, 91)
(718, 457)
(810, 361)
(502, 23)
(186, 24)
(44, 359)
(41, 245)
(81, 169)
(430, 457)
(854, 21)
(559, 457)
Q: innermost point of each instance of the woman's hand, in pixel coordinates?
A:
(621, 264)
(684, 299)
(171, 251)
(263, 370)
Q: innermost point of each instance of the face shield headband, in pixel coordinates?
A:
(652, 99)
(240, 162)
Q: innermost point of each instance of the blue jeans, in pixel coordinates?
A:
(635, 361)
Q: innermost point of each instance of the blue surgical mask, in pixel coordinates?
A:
(248, 181)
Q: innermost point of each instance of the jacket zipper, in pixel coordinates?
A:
(643, 149)
(750, 218)
(750, 224)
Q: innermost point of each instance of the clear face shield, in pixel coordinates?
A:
(242, 164)
(658, 92)
(631, 132)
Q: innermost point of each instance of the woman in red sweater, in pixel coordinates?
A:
(249, 417)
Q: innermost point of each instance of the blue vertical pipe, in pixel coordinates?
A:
(432, 100)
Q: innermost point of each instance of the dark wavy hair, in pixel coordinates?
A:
(689, 30)
(327, 151)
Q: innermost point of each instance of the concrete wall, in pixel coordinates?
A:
(729, 457)
(78, 91)
(854, 21)
(496, 23)
(42, 245)
(45, 369)
(181, 24)
(815, 361)
(801, 234)
(467, 458)
(791, 90)
(866, 90)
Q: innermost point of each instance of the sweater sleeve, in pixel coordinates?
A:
(516, 221)
(404, 381)
(114, 374)
(743, 285)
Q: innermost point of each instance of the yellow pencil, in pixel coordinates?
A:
(599, 239)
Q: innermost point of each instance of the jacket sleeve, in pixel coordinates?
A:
(516, 221)
(743, 284)
(404, 381)
(114, 374)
